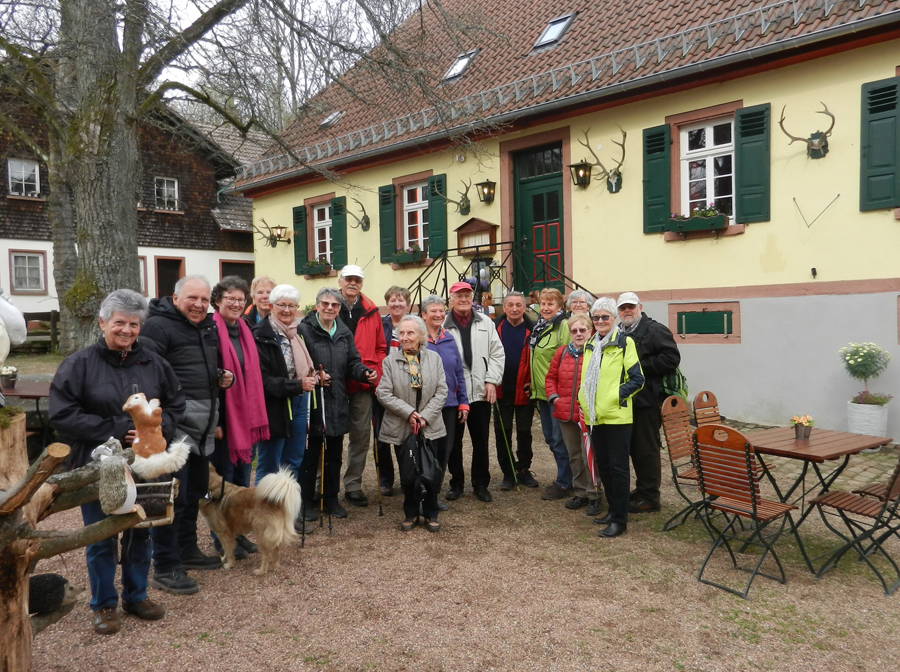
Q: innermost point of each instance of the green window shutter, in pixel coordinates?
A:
(751, 158)
(338, 232)
(879, 174)
(707, 322)
(437, 216)
(387, 222)
(657, 178)
(300, 257)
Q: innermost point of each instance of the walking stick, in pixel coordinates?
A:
(322, 481)
(512, 464)
(303, 499)
(377, 465)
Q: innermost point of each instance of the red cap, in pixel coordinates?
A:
(460, 287)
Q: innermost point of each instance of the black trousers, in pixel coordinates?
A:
(505, 413)
(411, 494)
(171, 542)
(479, 423)
(384, 454)
(611, 456)
(645, 452)
(310, 467)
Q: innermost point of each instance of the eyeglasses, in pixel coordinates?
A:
(627, 306)
(286, 306)
(601, 318)
(578, 331)
(231, 301)
(579, 303)
(328, 304)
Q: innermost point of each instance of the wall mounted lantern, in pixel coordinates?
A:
(279, 235)
(581, 174)
(486, 191)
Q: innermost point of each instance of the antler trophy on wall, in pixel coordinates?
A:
(817, 143)
(463, 205)
(613, 177)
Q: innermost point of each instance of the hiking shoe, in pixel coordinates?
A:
(175, 583)
(576, 503)
(442, 506)
(336, 510)
(311, 512)
(525, 478)
(196, 559)
(594, 507)
(239, 552)
(633, 495)
(304, 526)
(387, 490)
(453, 493)
(553, 491)
(106, 621)
(642, 506)
(357, 498)
(146, 609)
(482, 494)
(507, 483)
(246, 544)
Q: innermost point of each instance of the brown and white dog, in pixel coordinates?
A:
(268, 511)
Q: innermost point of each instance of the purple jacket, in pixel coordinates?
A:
(445, 346)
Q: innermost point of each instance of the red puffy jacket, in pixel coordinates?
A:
(370, 342)
(562, 383)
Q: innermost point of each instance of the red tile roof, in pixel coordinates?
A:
(610, 46)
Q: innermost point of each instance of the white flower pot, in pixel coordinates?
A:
(867, 419)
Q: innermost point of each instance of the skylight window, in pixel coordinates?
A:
(331, 120)
(459, 65)
(554, 31)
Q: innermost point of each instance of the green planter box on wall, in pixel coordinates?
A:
(697, 224)
(316, 269)
(408, 257)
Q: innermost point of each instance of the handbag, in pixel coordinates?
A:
(420, 466)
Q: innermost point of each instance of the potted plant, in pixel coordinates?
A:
(803, 425)
(8, 376)
(700, 219)
(319, 266)
(411, 255)
(867, 412)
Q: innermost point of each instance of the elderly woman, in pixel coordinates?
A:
(550, 332)
(260, 289)
(413, 389)
(397, 300)
(333, 351)
(610, 376)
(563, 381)
(287, 374)
(456, 407)
(579, 302)
(86, 399)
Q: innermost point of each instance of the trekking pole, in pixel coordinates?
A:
(312, 398)
(377, 465)
(322, 485)
(512, 464)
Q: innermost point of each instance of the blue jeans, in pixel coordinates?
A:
(102, 558)
(554, 439)
(273, 453)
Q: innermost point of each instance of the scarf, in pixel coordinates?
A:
(542, 326)
(302, 361)
(415, 376)
(630, 330)
(592, 376)
(246, 420)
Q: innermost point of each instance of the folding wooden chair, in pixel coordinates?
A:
(727, 470)
(706, 409)
(679, 435)
(870, 521)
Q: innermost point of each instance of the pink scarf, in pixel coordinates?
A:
(246, 421)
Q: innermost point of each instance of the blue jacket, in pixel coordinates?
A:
(445, 346)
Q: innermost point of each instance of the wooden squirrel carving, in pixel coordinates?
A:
(147, 418)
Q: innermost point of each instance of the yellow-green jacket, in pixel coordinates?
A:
(543, 353)
(621, 378)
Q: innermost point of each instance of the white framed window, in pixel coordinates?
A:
(707, 166)
(554, 31)
(166, 193)
(322, 231)
(24, 177)
(27, 271)
(415, 215)
(331, 120)
(458, 67)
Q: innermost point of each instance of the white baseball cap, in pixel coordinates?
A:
(628, 297)
(354, 270)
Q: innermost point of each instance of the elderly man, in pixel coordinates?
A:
(483, 361)
(514, 404)
(362, 318)
(182, 332)
(658, 355)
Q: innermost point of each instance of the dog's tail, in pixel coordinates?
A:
(166, 462)
(282, 490)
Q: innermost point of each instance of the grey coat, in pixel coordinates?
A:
(399, 399)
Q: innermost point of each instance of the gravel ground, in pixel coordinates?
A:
(515, 584)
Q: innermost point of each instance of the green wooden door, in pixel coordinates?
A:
(538, 177)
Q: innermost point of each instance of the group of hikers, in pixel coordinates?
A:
(254, 379)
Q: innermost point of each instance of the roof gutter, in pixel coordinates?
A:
(598, 94)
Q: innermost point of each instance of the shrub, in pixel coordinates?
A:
(864, 360)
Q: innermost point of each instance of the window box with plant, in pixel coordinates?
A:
(700, 219)
(411, 255)
(317, 267)
(867, 412)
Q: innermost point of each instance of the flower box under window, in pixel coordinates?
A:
(409, 257)
(697, 223)
(316, 268)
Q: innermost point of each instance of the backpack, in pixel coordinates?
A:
(675, 384)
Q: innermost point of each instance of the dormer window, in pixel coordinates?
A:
(554, 31)
(331, 120)
(459, 66)
(24, 178)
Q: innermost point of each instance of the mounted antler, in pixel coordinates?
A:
(273, 234)
(463, 205)
(613, 177)
(817, 143)
(363, 221)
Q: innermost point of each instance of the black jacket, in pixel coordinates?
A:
(276, 384)
(91, 386)
(192, 350)
(340, 359)
(658, 354)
